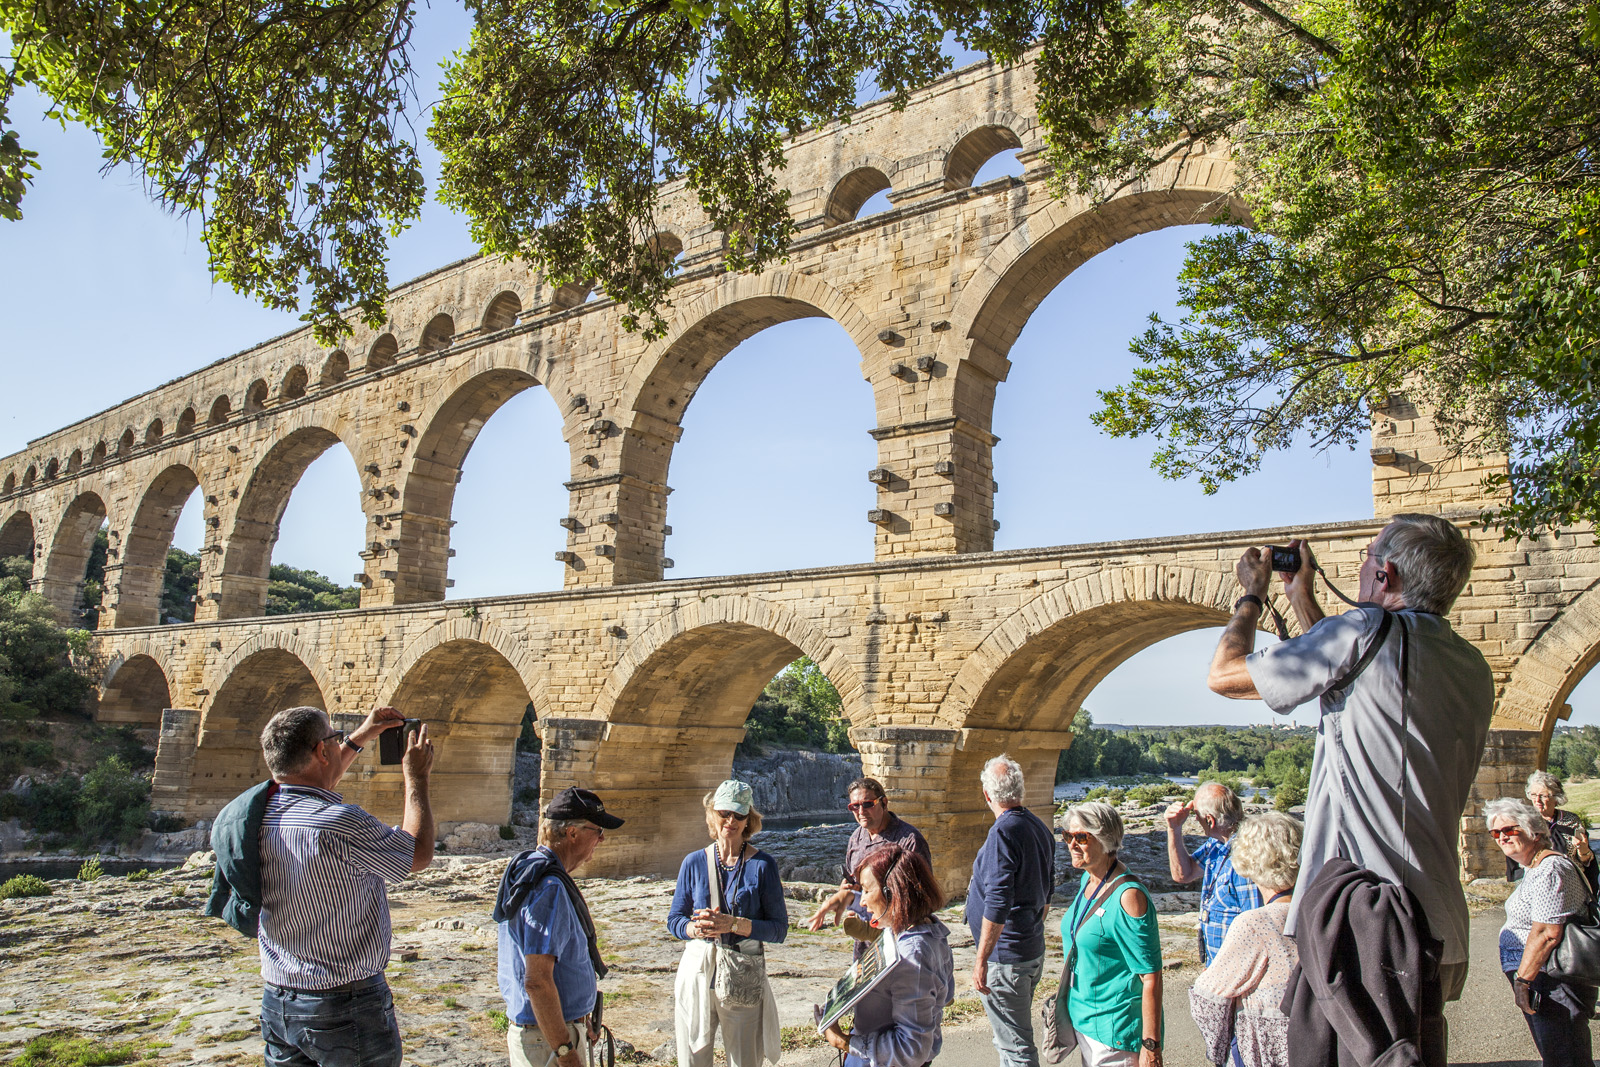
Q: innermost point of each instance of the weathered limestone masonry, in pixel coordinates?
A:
(945, 652)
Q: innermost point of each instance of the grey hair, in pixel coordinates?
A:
(1432, 556)
(1002, 780)
(1100, 819)
(1266, 849)
(1217, 802)
(1558, 795)
(551, 831)
(1520, 812)
(290, 737)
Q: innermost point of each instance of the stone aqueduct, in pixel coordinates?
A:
(945, 652)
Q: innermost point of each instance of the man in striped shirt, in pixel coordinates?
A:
(324, 930)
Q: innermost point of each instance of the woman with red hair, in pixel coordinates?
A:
(897, 1020)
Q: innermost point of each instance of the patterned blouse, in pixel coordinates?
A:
(1551, 891)
(1237, 996)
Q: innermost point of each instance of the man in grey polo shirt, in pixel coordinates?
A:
(324, 930)
(1415, 568)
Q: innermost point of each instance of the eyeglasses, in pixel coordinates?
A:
(731, 816)
(1536, 797)
(1365, 554)
(863, 805)
(1077, 837)
(336, 735)
(1505, 831)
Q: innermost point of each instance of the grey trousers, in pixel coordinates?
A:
(1009, 1006)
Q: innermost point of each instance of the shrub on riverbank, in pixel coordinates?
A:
(24, 885)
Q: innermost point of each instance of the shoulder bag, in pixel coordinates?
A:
(1058, 1038)
(1577, 955)
(741, 968)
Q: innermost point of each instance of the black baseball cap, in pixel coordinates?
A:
(575, 803)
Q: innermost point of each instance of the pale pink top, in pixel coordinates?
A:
(1239, 993)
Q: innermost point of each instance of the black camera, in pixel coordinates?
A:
(1285, 560)
(392, 743)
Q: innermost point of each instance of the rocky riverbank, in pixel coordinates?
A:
(133, 963)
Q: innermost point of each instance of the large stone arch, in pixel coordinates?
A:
(672, 711)
(1565, 649)
(67, 558)
(17, 536)
(663, 382)
(996, 302)
(139, 565)
(263, 676)
(1018, 691)
(136, 686)
(469, 398)
(241, 585)
(468, 680)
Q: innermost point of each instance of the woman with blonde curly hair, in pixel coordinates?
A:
(1235, 1000)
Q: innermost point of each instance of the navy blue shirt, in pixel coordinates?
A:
(1012, 880)
(753, 889)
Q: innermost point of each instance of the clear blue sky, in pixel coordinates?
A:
(104, 296)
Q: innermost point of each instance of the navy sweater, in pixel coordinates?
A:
(1012, 880)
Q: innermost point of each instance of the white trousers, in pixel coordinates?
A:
(741, 1035)
(528, 1048)
(1097, 1055)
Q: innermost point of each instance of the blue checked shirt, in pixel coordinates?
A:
(1225, 894)
(324, 907)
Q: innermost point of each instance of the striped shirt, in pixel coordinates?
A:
(324, 909)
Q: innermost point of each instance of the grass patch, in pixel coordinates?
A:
(449, 987)
(24, 885)
(1584, 797)
(497, 1019)
(64, 1048)
(963, 1008)
(185, 1024)
(451, 1003)
(799, 1037)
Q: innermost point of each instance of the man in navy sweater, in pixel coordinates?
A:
(1012, 880)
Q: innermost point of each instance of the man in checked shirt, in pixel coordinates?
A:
(324, 930)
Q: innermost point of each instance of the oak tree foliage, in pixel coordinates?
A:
(1417, 176)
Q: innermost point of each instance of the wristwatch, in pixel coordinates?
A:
(1249, 598)
(563, 1050)
(351, 745)
(1151, 1044)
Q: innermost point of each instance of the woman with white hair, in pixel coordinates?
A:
(1235, 1000)
(1568, 835)
(1113, 993)
(1551, 892)
(729, 903)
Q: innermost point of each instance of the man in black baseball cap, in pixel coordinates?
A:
(549, 959)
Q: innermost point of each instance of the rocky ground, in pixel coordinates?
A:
(133, 963)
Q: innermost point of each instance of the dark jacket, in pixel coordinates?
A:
(1366, 993)
(236, 839)
(1012, 879)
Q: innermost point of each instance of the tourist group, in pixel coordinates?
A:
(1333, 941)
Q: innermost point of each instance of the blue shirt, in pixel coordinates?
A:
(324, 907)
(754, 890)
(546, 925)
(1225, 894)
(897, 1021)
(1012, 880)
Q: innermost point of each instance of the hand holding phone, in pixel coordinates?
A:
(392, 743)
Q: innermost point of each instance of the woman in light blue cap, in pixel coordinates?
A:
(729, 903)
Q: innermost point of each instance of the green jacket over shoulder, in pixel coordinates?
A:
(236, 840)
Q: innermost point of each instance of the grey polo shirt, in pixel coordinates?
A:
(1353, 806)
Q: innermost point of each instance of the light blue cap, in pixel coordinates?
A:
(733, 795)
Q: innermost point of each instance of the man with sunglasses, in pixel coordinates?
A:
(324, 921)
(875, 825)
(549, 953)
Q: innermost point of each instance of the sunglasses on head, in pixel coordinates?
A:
(863, 805)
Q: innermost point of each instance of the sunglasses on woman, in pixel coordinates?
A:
(1505, 831)
(1077, 837)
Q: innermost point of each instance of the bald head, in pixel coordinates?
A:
(1220, 806)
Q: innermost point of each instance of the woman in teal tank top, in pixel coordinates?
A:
(1110, 935)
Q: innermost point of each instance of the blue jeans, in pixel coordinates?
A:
(1009, 1007)
(1560, 1027)
(354, 1027)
